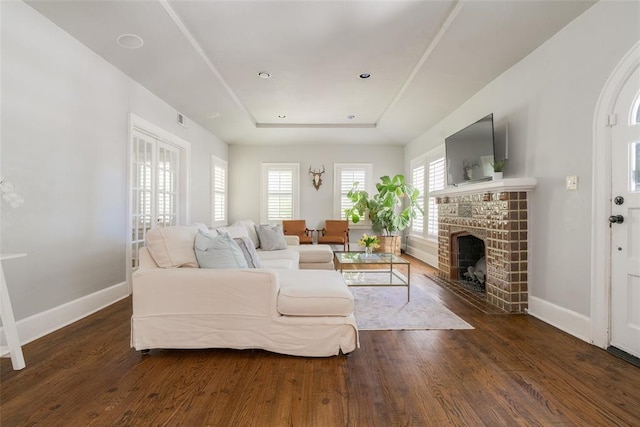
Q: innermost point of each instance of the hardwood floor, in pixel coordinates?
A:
(510, 370)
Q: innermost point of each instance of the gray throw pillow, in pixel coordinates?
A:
(271, 237)
(218, 251)
(249, 251)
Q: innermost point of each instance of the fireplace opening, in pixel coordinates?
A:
(472, 264)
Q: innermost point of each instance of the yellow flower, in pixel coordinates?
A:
(369, 241)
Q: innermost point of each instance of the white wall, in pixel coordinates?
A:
(549, 101)
(65, 148)
(315, 206)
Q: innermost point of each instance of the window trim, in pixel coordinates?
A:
(265, 168)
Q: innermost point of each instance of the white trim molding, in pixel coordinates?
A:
(41, 324)
(573, 323)
(601, 197)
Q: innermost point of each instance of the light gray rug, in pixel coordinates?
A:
(386, 308)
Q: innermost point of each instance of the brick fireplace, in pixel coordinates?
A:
(495, 212)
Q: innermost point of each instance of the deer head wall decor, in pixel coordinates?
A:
(316, 177)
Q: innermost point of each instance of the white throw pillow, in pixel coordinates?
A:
(271, 237)
(250, 226)
(249, 252)
(172, 247)
(234, 231)
(219, 251)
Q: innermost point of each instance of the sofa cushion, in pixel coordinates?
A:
(218, 251)
(286, 258)
(172, 247)
(271, 237)
(314, 253)
(249, 252)
(317, 293)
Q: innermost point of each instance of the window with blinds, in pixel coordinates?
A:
(417, 180)
(218, 192)
(436, 182)
(280, 199)
(427, 175)
(345, 176)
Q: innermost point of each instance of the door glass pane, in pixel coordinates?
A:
(634, 166)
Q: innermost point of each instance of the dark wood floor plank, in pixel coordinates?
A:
(510, 370)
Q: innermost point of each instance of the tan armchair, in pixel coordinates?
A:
(335, 232)
(298, 227)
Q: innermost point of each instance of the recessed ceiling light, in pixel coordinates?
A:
(130, 41)
(365, 75)
(264, 75)
(213, 115)
(351, 117)
(282, 116)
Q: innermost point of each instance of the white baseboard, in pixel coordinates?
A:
(423, 256)
(41, 324)
(573, 323)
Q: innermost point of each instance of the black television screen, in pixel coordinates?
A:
(469, 153)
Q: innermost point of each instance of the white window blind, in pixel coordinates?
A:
(417, 179)
(345, 175)
(218, 192)
(436, 182)
(280, 192)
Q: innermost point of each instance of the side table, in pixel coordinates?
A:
(8, 321)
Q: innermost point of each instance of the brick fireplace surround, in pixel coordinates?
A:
(497, 213)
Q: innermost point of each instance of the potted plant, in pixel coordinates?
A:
(390, 210)
(498, 167)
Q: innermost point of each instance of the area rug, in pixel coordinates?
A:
(386, 308)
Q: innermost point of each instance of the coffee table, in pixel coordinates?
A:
(377, 269)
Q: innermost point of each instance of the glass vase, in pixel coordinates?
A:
(368, 250)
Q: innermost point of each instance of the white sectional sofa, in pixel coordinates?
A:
(278, 307)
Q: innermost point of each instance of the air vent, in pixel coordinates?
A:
(182, 120)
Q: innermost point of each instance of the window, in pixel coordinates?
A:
(345, 175)
(218, 192)
(418, 181)
(436, 182)
(427, 173)
(280, 192)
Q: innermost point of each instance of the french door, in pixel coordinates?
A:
(154, 187)
(625, 220)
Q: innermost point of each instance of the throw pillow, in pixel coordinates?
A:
(250, 226)
(249, 252)
(219, 251)
(271, 237)
(172, 247)
(233, 230)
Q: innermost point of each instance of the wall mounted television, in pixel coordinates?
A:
(470, 152)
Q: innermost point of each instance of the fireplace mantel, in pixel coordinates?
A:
(498, 186)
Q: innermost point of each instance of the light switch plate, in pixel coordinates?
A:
(572, 182)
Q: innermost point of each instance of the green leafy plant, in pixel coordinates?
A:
(390, 210)
(498, 165)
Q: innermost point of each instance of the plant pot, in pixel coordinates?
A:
(389, 244)
(497, 176)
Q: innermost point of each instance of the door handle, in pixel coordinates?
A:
(616, 219)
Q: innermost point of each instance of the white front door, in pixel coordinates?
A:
(625, 220)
